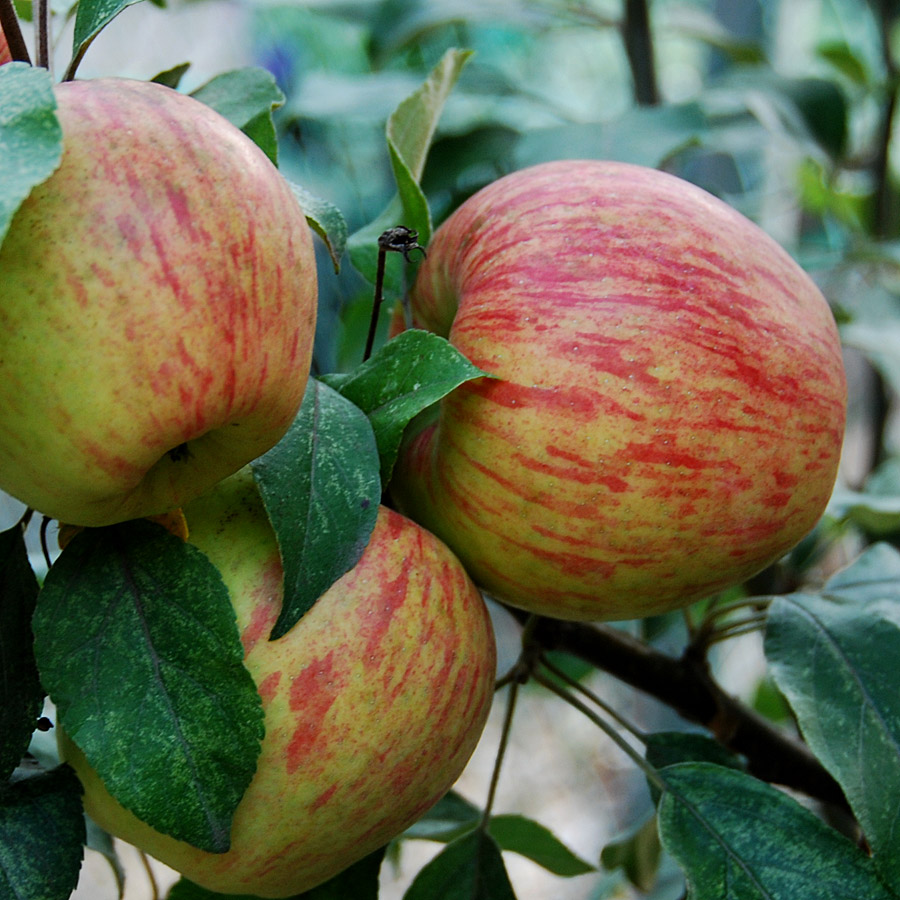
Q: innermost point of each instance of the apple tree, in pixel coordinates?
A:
(270, 676)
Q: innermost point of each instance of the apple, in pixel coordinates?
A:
(669, 402)
(373, 702)
(159, 300)
(5, 55)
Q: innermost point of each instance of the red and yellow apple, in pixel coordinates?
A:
(159, 299)
(669, 402)
(5, 55)
(373, 702)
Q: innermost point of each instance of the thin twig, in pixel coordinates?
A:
(501, 750)
(576, 685)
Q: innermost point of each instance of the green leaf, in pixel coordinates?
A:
(410, 130)
(321, 490)
(41, 836)
(842, 56)
(450, 818)
(471, 868)
(326, 220)
(172, 77)
(137, 645)
(528, 838)
(737, 838)
(873, 575)
(637, 853)
(665, 748)
(403, 378)
(829, 660)
(246, 97)
(21, 694)
(91, 17)
(31, 140)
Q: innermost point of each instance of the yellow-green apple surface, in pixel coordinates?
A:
(159, 298)
(373, 702)
(669, 406)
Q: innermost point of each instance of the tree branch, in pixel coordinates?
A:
(686, 685)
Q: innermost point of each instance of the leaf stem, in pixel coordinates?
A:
(9, 22)
(576, 685)
(610, 732)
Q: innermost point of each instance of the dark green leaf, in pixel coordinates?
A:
(828, 659)
(665, 748)
(172, 77)
(21, 694)
(137, 645)
(41, 836)
(637, 854)
(410, 129)
(246, 97)
(321, 489)
(471, 868)
(450, 818)
(404, 377)
(845, 60)
(874, 575)
(326, 220)
(737, 838)
(528, 838)
(30, 135)
(91, 17)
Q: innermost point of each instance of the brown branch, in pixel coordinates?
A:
(686, 685)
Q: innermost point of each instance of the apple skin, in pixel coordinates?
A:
(373, 702)
(669, 409)
(159, 301)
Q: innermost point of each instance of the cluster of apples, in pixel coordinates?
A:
(665, 419)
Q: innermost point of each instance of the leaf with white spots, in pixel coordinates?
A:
(321, 490)
(405, 377)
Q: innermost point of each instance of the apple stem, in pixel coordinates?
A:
(45, 547)
(43, 34)
(9, 22)
(398, 239)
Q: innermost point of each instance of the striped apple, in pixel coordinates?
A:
(5, 55)
(373, 702)
(159, 305)
(669, 406)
